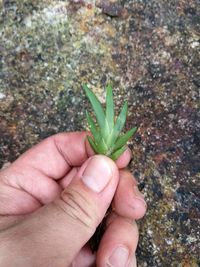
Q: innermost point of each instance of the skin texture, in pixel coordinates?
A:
(49, 208)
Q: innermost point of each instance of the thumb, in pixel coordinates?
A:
(61, 228)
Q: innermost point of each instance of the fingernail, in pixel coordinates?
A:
(134, 262)
(97, 174)
(138, 195)
(119, 257)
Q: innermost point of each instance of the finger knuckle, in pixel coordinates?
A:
(79, 208)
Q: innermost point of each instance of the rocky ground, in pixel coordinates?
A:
(150, 51)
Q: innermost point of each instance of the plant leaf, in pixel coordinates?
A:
(121, 141)
(99, 148)
(116, 154)
(92, 143)
(119, 124)
(102, 148)
(109, 107)
(93, 128)
(99, 141)
(98, 109)
(107, 138)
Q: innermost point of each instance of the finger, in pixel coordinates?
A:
(55, 156)
(134, 262)
(128, 201)
(61, 228)
(121, 162)
(28, 183)
(72, 174)
(85, 258)
(22, 191)
(124, 159)
(118, 245)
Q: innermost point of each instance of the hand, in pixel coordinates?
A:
(53, 197)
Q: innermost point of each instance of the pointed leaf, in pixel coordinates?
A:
(98, 148)
(119, 124)
(93, 128)
(101, 148)
(118, 153)
(92, 143)
(98, 109)
(122, 140)
(109, 107)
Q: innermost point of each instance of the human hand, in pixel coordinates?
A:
(54, 196)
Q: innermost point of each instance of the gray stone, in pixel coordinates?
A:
(151, 56)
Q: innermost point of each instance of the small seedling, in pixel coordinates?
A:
(107, 137)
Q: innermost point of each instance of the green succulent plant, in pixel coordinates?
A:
(107, 137)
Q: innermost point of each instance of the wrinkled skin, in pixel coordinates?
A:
(47, 214)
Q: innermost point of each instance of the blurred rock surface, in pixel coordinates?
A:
(149, 51)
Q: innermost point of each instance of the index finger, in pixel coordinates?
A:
(56, 155)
